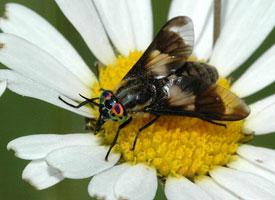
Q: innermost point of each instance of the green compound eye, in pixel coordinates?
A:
(107, 95)
(109, 104)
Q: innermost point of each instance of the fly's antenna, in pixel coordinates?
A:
(92, 100)
(87, 101)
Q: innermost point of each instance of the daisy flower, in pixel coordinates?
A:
(193, 158)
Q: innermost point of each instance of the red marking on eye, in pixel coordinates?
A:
(118, 109)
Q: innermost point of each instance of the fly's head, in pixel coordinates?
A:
(110, 109)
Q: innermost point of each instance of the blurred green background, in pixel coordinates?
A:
(23, 116)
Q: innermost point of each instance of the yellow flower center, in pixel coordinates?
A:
(180, 146)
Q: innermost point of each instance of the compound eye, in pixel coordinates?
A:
(107, 95)
(117, 109)
(108, 104)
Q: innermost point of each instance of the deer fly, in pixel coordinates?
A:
(164, 82)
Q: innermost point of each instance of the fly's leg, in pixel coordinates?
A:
(121, 126)
(142, 128)
(213, 122)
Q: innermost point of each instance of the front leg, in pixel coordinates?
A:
(213, 122)
(142, 128)
(116, 136)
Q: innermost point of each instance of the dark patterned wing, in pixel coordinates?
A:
(168, 51)
(194, 92)
(218, 103)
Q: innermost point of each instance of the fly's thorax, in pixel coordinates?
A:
(136, 94)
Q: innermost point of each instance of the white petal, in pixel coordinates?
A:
(260, 156)
(38, 146)
(38, 65)
(3, 86)
(244, 184)
(198, 11)
(116, 19)
(182, 188)
(258, 76)
(243, 33)
(262, 122)
(244, 165)
(227, 10)
(203, 47)
(102, 185)
(23, 22)
(138, 182)
(30, 88)
(40, 175)
(142, 22)
(79, 162)
(83, 15)
(213, 189)
(258, 106)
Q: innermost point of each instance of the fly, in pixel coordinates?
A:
(164, 82)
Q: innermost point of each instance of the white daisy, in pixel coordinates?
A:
(196, 159)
